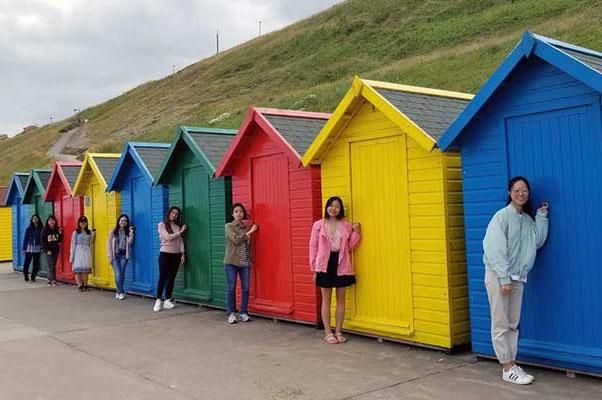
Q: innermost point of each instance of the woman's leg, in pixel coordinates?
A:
(500, 327)
(163, 271)
(51, 261)
(124, 263)
(78, 280)
(244, 273)
(36, 265)
(230, 271)
(515, 302)
(116, 264)
(174, 265)
(26, 262)
(340, 313)
(326, 301)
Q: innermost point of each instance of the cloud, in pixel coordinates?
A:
(56, 55)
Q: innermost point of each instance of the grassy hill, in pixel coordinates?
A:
(447, 44)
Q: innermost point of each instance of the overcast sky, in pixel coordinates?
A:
(57, 55)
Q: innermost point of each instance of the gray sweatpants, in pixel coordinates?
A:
(505, 316)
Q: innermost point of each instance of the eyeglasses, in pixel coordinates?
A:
(520, 191)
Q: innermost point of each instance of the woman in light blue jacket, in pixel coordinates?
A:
(510, 246)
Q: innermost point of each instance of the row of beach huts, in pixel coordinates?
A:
(423, 170)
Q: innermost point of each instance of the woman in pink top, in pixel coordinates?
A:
(171, 256)
(332, 241)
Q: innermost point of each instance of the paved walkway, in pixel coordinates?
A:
(56, 343)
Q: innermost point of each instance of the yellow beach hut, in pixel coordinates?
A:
(6, 227)
(101, 208)
(378, 152)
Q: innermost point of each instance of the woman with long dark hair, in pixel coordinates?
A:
(171, 256)
(510, 246)
(119, 250)
(331, 243)
(237, 262)
(32, 247)
(52, 235)
(82, 241)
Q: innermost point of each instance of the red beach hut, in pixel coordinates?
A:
(283, 198)
(67, 210)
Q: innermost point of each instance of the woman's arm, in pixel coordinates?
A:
(541, 227)
(314, 241)
(495, 246)
(166, 236)
(72, 250)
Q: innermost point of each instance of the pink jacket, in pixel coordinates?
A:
(319, 248)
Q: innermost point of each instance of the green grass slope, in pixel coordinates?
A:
(446, 44)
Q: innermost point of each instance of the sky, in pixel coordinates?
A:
(60, 55)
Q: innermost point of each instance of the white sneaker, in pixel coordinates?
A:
(121, 296)
(168, 304)
(232, 318)
(244, 317)
(522, 371)
(513, 375)
(117, 296)
(158, 305)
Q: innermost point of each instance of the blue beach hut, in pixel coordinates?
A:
(539, 116)
(145, 204)
(20, 215)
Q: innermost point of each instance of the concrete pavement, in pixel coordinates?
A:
(57, 343)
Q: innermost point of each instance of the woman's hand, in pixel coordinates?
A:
(49, 253)
(506, 289)
(252, 230)
(183, 229)
(183, 259)
(357, 227)
(544, 207)
(315, 276)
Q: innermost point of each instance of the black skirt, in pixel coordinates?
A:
(330, 279)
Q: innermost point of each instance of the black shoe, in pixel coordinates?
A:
(86, 288)
(81, 288)
(26, 278)
(33, 278)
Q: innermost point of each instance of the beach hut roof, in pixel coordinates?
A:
(582, 64)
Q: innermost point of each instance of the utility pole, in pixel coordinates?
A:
(217, 41)
(260, 22)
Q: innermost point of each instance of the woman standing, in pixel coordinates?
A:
(332, 241)
(52, 235)
(237, 262)
(510, 246)
(171, 256)
(82, 241)
(32, 247)
(119, 249)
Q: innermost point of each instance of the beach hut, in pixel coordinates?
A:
(6, 227)
(33, 194)
(20, 216)
(101, 208)
(188, 171)
(539, 116)
(146, 205)
(67, 209)
(283, 198)
(378, 152)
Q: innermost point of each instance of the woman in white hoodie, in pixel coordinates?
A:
(510, 246)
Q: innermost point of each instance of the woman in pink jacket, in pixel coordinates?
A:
(332, 241)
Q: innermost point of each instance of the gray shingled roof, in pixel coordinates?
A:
(152, 157)
(299, 132)
(23, 179)
(44, 177)
(434, 114)
(71, 173)
(213, 145)
(588, 59)
(106, 166)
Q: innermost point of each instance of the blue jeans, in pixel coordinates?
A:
(119, 263)
(232, 271)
